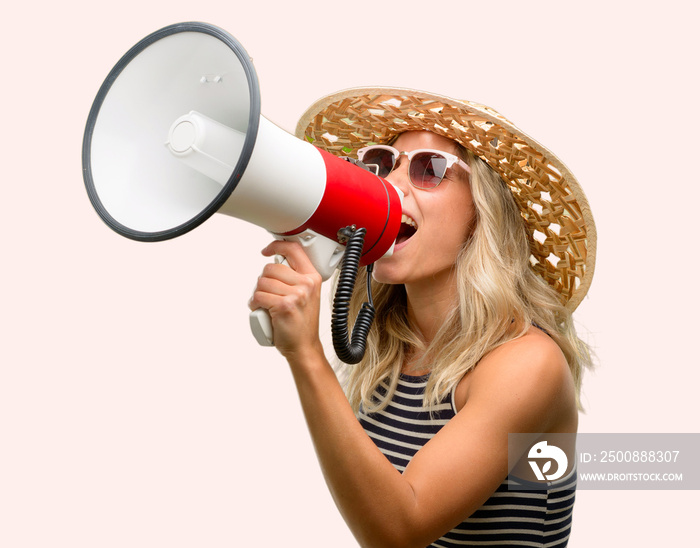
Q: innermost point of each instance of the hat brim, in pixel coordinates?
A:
(557, 214)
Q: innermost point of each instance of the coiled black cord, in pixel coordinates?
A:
(351, 350)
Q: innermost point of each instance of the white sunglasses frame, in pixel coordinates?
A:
(451, 160)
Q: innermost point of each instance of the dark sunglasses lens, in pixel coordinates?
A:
(427, 170)
(383, 159)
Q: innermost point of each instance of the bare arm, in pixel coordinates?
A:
(521, 387)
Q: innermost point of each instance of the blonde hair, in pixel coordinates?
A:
(499, 298)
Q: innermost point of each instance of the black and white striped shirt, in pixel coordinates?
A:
(511, 517)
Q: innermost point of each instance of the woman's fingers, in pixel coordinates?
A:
(297, 280)
(276, 281)
(291, 294)
(294, 254)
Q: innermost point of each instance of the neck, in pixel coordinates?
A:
(429, 302)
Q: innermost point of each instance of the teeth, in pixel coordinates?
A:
(408, 221)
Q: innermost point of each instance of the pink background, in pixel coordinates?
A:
(135, 407)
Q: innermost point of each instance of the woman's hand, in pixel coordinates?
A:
(291, 294)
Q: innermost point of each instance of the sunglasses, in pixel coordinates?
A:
(426, 167)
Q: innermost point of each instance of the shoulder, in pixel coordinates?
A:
(527, 379)
(534, 356)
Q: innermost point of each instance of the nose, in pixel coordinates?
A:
(399, 176)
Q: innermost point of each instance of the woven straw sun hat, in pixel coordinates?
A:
(556, 212)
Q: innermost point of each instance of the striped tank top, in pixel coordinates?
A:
(511, 517)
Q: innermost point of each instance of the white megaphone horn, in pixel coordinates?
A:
(175, 135)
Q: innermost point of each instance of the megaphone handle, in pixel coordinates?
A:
(261, 326)
(260, 321)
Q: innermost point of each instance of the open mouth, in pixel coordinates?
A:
(407, 230)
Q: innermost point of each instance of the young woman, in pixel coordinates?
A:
(473, 338)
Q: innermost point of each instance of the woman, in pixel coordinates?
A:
(473, 338)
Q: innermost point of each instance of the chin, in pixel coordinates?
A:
(386, 275)
(394, 269)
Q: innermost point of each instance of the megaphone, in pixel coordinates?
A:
(175, 135)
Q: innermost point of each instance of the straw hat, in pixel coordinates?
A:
(558, 218)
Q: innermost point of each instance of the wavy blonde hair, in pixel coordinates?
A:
(499, 298)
